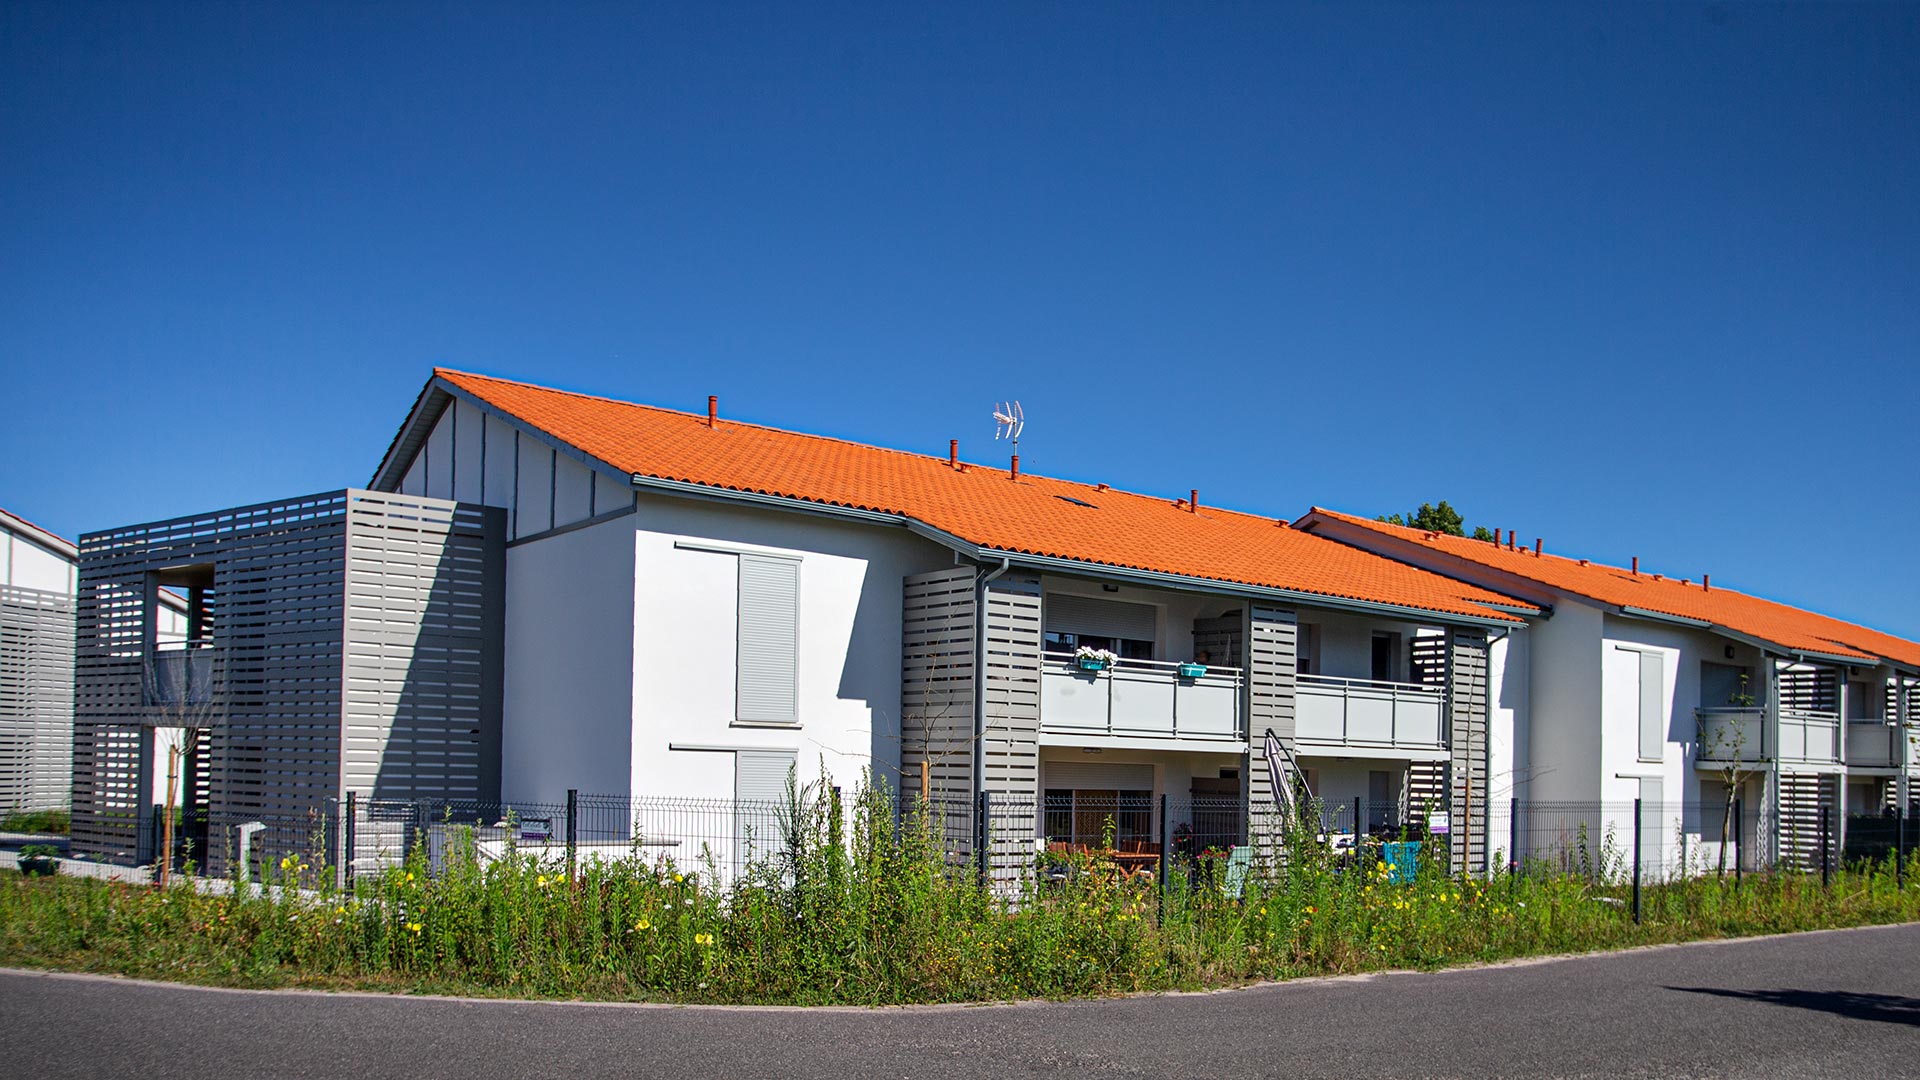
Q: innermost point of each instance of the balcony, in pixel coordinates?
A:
(1139, 699)
(180, 675)
(1803, 739)
(1876, 744)
(1366, 714)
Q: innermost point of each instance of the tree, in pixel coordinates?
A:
(180, 695)
(1727, 741)
(1441, 519)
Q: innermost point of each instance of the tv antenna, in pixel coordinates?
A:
(1010, 422)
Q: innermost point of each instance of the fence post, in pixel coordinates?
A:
(1513, 835)
(1166, 843)
(348, 827)
(1826, 846)
(833, 826)
(1900, 837)
(1739, 834)
(1636, 861)
(983, 834)
(573, 827)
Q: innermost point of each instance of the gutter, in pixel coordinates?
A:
(1057, 564)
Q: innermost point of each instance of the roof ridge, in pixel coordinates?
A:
(1097, 488)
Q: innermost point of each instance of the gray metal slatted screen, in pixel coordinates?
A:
(769, 639)
(1100, 618)
(1653, 693)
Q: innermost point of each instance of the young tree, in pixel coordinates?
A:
(1441, 519)
(185, 701)
(1729, 739)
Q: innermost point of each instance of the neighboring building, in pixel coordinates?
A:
(1645, 686)
(696, 606)
(348, 641)
(37, 588)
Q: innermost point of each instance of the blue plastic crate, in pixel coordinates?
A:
(1402, 859)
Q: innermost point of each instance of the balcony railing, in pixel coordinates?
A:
(1803, 737)
(1809, 738)
(1363, 713)
(180, 674)
(1140, 699)
(1876, 744)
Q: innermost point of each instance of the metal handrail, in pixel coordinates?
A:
(1163, 666)
(1339, 682)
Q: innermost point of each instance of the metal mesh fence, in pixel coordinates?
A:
(1007, 839)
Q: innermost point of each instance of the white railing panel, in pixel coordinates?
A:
(1370, 716)
(1072, 700)
(1871, 744)
(1809, 737)
(1142, 701)
(1319, 714)
(1209, 707)
(1419, 721)
(1721, 730)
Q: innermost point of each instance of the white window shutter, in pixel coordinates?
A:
(1653, 713)
(769, 630)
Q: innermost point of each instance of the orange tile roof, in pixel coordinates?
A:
(1788, 627)
(980, 505)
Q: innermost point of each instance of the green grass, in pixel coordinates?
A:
(56, 822)
(875, 917)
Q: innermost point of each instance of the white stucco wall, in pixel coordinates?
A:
(1508, 718)
(29, 565)
(567, 720)
(1564, 677)
(683, 673)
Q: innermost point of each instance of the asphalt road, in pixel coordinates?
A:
(1841, 1003)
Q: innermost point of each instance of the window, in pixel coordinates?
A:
(1303, 650)
(1081, 815)
(1124, 648)
(769, 629)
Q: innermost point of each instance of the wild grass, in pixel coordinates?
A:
(867, 910)
(45, 822)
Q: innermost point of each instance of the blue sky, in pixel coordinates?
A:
(1640, 282)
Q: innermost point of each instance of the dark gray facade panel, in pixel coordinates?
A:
(354, 639)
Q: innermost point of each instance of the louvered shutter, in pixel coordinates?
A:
(759, 789)
(1100, 618)
(769, 626)
(1653, 694)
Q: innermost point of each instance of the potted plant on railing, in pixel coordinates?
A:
(1088, 658)
(38, 859)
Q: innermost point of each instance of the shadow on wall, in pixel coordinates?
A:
(1884, 1008)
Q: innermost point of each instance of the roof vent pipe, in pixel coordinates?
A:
(1510, 540)
(1536, 547)
(1706, 582)
(1015, 475)
(1193, 501)
(1636, 566)
(953, 453)
(713, 408)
